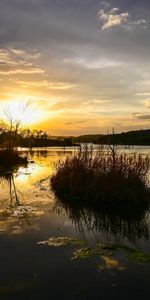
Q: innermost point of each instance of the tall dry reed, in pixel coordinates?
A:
(102, 177)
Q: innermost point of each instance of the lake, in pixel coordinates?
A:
(33, 268)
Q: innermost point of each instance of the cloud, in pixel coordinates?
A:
(114, 10)
(147, 103)
(141, 23)
(65, 105)
(16, 56)
(112, 18)
(46, 84)
(11, 71)
(92, 63)
(141, 116)
(76, 122)
(18, 61)
(143, 94)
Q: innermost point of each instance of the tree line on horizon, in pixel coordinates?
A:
(13, 136)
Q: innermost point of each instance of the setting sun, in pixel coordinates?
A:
(22, 110)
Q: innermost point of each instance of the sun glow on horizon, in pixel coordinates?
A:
(22, 110)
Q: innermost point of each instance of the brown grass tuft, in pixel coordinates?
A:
(100, 177)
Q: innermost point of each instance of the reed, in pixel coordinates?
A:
(102, 177)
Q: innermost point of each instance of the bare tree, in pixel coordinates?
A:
(13, 126)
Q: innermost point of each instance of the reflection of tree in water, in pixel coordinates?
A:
(38, 153)
(13, 194)
(110, 224)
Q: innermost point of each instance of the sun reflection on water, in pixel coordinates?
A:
(31, 186)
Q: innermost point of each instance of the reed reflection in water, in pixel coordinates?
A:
(13, 194)
(110, 225)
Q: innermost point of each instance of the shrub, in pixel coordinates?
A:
(100, 178)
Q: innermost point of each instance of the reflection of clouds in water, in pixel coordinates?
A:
(42, 167)
(31, 184)
(112, 263)
(31, 174)
(18, 219)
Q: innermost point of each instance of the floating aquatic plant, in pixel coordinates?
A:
(133, 254)
(61, 241)
(102, 250)
(85, 253)
(109, 263)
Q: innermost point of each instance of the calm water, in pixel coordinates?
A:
(30, 213)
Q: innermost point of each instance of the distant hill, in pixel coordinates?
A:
(88, 138)
(137, 137)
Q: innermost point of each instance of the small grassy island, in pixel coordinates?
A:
(103, 179)
(10, 158)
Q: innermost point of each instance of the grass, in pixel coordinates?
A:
(9, 158)
(99, 178)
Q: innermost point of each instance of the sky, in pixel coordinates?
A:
(82, 65)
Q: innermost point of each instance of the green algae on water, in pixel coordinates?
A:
(108, 250)
(107, 261)
(133, 254)
(139, 256)
(84, 253)
(101, 249)
(61, 241)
